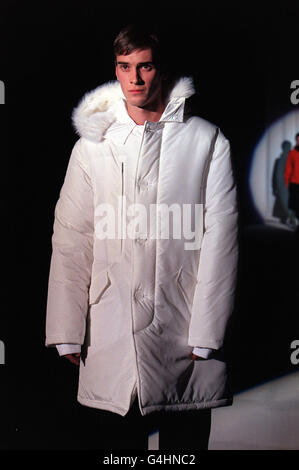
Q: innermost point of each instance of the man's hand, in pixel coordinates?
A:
(73, 358)
(194, 357)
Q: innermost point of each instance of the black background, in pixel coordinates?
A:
(243, 58)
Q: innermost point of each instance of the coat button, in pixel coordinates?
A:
(148, 127)
(141, 240)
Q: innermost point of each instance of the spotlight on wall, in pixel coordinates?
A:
(266, 176)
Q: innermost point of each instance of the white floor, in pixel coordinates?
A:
(262, 418)
(265, 417)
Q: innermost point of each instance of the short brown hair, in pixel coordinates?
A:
(133, 37)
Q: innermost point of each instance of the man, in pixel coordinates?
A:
(291, 178)
(149, 308)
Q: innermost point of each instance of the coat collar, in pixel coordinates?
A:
(101, 107)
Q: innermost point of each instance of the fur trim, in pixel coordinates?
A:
(183, 88)
(94, 113)
(91, 118)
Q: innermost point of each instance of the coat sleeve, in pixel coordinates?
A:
(72, 255)
(216, 277)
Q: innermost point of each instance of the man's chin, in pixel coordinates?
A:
(138, 101)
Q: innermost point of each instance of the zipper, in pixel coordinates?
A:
(136, 389)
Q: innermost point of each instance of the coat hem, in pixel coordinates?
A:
(187, 406)
(102, 405)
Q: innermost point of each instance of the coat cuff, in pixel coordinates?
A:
(206, 343)
(63, 338)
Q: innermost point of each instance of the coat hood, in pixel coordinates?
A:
(99, 108)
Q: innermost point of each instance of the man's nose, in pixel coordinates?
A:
(135, 77)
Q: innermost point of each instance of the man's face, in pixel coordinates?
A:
(139, 79)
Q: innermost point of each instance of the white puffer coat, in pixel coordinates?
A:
(139, 304)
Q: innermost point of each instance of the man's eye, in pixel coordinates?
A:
(124, 67)
(147, 67)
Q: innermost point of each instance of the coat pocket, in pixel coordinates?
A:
(99, 284)
(186, 283)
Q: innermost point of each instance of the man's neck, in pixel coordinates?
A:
(140, 115)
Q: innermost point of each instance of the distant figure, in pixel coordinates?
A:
(291, 177)
(280, 191)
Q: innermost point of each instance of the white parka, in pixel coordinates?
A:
(139, 304)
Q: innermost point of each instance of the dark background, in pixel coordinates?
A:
(243, 58)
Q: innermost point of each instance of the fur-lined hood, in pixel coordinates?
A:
(99, 108)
